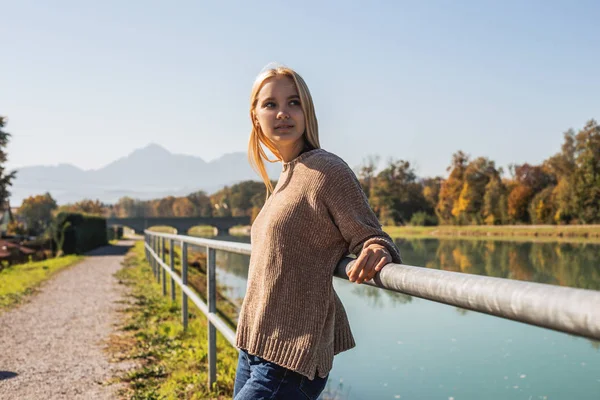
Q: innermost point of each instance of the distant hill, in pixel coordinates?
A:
(147, 173)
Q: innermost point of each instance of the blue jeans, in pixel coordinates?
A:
(256, 378)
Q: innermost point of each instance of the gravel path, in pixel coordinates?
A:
(51, 347)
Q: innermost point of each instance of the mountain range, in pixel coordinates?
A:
(147, 173)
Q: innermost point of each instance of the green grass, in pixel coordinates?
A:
(21, 280)
(172, 363)
(570, 233)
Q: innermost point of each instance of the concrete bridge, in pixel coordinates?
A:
(182, 224)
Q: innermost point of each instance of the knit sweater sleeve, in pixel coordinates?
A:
(349, 209)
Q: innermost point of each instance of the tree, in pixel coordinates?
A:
(396, 195)
(431, 191)
(529, 180)
(366, 173)
(183, 207)
(562, 166)
(494, 202)
(451, 188)
(37, 212)
(587, 173)
(86, 206)
(469, 209)
(5, 178)
(202, 204)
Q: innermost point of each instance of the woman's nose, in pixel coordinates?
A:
(283, 114)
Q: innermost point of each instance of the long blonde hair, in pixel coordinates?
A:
(256, 153)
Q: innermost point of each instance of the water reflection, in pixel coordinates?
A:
(375, 296)
(564, 264)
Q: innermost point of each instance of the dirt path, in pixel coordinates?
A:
(51, 347)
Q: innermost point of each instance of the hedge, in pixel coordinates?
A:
(84, 233)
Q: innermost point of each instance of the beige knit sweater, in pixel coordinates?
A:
(317, 214)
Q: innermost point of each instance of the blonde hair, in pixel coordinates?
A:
(256, 153)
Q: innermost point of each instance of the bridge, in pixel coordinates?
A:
(182, 224)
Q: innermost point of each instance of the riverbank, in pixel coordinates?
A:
(559, 233)
(498, 232)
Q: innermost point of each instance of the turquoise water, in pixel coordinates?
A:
(410, 348)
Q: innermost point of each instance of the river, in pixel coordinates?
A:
(410, 348)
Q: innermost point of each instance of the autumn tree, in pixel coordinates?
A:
(468, 209)
(86, 206)
(529, 180)
(37, 212)
(183, 207)
(450, 189)
(431, 191)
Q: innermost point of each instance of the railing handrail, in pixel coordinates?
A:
(570, 310)
(565, 309)
(232, 247)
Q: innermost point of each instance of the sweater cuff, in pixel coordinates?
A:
(388, 244)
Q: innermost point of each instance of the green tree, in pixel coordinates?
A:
(396, 195)
(587, 173)
(6, 178)
(202, 203)
(366, 173)
(494, 202)
(562, 166)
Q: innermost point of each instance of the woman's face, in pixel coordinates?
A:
(279, 113)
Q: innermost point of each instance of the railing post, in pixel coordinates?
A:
(158, 267)
(211, 299)
(151, 258)
(172, 262)
(155, 247)
(164, 273)
(184, 275)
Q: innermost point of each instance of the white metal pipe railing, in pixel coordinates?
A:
(565, 309)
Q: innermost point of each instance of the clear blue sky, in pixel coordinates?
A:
(86, 84)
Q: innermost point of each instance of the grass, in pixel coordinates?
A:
(171, 362)
(588, 233)
(21, 280)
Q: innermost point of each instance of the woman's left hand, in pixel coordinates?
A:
(370, 261)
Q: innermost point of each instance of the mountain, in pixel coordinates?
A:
(147, 173)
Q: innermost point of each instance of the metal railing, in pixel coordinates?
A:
(564, 309)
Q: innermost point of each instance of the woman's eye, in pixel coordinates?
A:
(270, 104)
(295, 102)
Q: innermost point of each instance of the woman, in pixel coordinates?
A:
(292, 322)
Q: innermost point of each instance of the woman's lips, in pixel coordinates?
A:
(284, 127)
